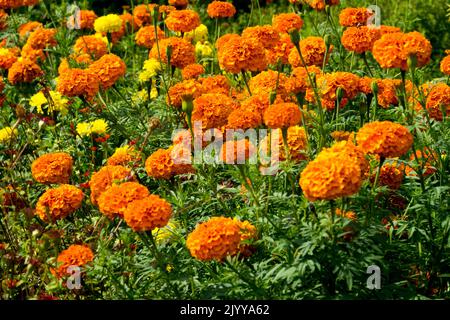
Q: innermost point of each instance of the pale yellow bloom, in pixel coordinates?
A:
(203, 49)
(109, 23)
(167, 233)
(57, 103)
(87, 128)
(198, 34)
(7, 134)
(142, 95)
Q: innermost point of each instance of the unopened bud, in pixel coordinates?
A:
(295, 36)
(339, 94)
(187, 105)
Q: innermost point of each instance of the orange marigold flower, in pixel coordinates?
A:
(268, 81)
(237, 152)
(75, 255)
(313, 51)
(300, 80)
(192, 71)
(182, 20)
(124, 156)
(7, 57)
(24, 70)
(328, 83)
(59, 202)
(355, 154)
(221, 9)
(244, 118)
(445, 65)
(87, 19)
(391, 175)
(360, 39)
(148, 213)
(27, 28)
(286, 22)
(354, 17)
(296, 140)
(393, 49)
(108, 69)
(258, 102)
(213, 109)
(438, 101)
(240, 54)
(282, 115)
(32, 54)
(330, 176)
(146, 36)
(266, 35)
(189, 87)
(223, 40)
(214, 239)
(106, 177)
(183, 52)
(52, 168)
(143, 14)
(384, 138)
(77, 82)
(114, 201)
(346, 214)
(160, 164)
(42, 38)
(280, 51)
(387, 94)
(215, 84)
(318, 5)
(91, 45)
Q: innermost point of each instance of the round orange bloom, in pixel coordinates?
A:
(237, 152)
(354, 17)
(108, 69)
(92, 45)
(282, 115)
(438, 101)
(189, 87)
(32, 54)
(223, 40)
(124, 156)
(75, 255)
(10, 4)
(182, 20)
(313, 51)
(215, 84)
(258, 102)
(192, 71)
(114, 201)
(360, 39)
(87, 19)
(52, 168)
(25, 29)
(221, 9)
(266, 82)
(328, 83)
(445, 65)
(213, 109)
(42, 38)
(160, 164)
(240, 54)
(103, 179)
(354, 153)
(393, 49)
(7, 58)
(318, 5)
(384, 138)
(296, 140)
(77, 82)
(59, 202)
(143, 14)
(244, 118)
(183, 52)
(330, 177)
(148, 213)
(286, 22)
(387, 94)
(266, 35)
(300, 80)
(280, 51)
(391, 175)
(179, 4)
(389, 29)
(24, 70)
(146, 37)
(214, 239)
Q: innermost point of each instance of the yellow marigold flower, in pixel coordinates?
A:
(7, 134)
(98, 126)
(142, 95)
(114, 201)
(214, 239)
(123, 156)
(59, 202)
(203, 49)
(167, 232)
(75, 255)
(198, 34)
(57, 102)
(109, 23)
(52, 168)
(384, 138)
(148, 213)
